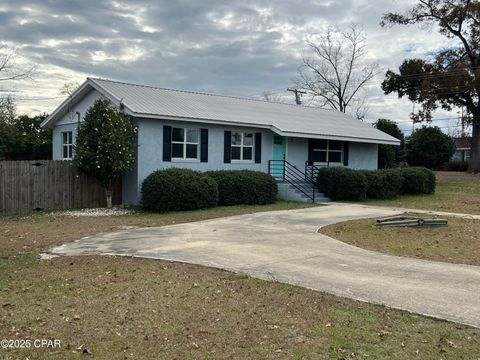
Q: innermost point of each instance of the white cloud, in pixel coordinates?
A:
(239, 48)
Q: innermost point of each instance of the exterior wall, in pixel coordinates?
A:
(363, 156)
(297, 152)
(150, 149)
(69, 122)
(82, 106)
(57, 153)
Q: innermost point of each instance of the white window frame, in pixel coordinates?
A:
(68, 145)
(242, 145)
(185, 143)
(327, 150)
(467, 155)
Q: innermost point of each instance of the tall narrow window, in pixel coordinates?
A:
(67, 145)
(185, 143)
(242, 146)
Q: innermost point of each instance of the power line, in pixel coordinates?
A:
(298, 94)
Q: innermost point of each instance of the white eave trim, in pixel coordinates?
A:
(65, 102)
(269, 127)
(116, 101)
(59, 111)
(337, 137)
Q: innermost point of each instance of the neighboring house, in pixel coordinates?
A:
(463, 146)
(206, 132)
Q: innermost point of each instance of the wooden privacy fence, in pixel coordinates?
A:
(27, 186)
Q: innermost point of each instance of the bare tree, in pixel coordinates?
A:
(69, 88)
(10, 68)
(272, 97)
(334, 71)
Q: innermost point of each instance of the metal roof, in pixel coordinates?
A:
(283, 119)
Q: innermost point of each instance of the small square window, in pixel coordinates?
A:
(320, 156)
(236, 138)
(236, 153)
(192, 135)
(177, 134)
(177, 150)
(335, 156)
(191, 151)
(248, 139)
(335, 145)
(321, 144)
(247, 153)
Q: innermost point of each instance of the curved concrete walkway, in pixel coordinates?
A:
(285, 246)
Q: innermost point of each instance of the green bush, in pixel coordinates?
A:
(244, 187)
(418, 180)
(429, 147)
(178, 189)
(384, 184)
(346, 184)
(455, 166)
(342, 183)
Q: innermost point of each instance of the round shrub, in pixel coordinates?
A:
(178, 189)
(455, 165)
(384, 184)
(342, 183)
(244, 187)
(418, 180)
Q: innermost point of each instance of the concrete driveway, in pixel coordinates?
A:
(285, 246)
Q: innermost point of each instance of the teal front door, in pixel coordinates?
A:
(279, 144)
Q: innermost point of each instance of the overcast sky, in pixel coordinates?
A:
(221, 46)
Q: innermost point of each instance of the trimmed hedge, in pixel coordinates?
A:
(244, 187)
(346, 184)
(178, 189)
(384, 184)
(418, 180)
(455, 166)
(340, 183)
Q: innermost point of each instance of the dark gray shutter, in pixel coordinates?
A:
(167, 143)
(310, 151)
(258, 148)
(345, 153)
(203, 145)
(227, 147)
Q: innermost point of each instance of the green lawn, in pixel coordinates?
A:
(124, 308)
(452, 195)
(457, 243)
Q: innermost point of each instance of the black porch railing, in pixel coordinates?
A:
(311, 170)
(282, 169)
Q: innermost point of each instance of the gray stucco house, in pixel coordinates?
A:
(208, 132)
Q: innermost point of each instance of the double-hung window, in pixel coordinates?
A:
(330, 151)
(242, 146)
(185, 143)
(67, 145)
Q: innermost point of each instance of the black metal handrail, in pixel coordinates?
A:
(311, 170)
(292, 175)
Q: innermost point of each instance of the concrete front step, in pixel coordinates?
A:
(288, 191)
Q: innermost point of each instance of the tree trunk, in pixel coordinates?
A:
(475, 152)
(109, 198)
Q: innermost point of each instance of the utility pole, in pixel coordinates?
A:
(298, 94)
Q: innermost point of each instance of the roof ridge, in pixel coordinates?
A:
(210, 94)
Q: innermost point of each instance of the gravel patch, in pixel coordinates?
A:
(98, 212)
